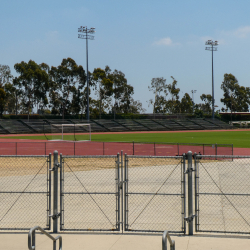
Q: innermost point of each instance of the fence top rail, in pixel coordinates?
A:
(24, 156)
(223, 156)
(152, 156)
(89, 156)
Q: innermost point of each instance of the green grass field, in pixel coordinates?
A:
(237, 138)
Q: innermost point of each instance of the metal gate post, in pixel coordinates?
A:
(122, 192)
(55, 194)
(189, 171)
(126, 193)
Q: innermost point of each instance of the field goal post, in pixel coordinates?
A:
(71, 132)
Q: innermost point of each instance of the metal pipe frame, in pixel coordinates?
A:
(32, 238)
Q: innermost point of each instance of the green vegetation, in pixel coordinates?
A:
(240, 139)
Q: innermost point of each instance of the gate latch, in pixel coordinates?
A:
(55, 216)
(189, 219)
(189, 170)
(120, 184)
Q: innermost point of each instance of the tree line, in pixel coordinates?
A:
(236, 98)
(62, 91)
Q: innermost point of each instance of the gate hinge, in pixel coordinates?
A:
(189, 170)
(55, 216)
(189, 219)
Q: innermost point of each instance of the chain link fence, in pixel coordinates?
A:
(222, 194)
(89, 193)
(25, 192)
(154, 193)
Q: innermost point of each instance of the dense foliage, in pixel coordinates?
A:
(62, 90)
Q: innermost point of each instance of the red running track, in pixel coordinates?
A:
(35, 147)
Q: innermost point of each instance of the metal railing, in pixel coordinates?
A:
(166, 237)
(32, 238)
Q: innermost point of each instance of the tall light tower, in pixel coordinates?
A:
(212, 48)
(86, 36)
(193, 91)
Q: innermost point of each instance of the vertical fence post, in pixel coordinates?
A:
(184, 192)
(122, 192)
(190, 193)
(61, 190)
(55, 194)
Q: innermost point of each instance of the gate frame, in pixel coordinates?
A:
(117, 193)
(197, 185)
(48, 192)
(182, 194)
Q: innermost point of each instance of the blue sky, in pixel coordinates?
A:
(143, 39)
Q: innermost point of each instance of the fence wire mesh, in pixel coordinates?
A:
(89, 194)
(222, 194)
(24, 192)
(154, 194)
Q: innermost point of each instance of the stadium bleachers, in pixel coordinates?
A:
(132, 125)
(12, 126)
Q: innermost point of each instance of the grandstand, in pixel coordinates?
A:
(23, 126)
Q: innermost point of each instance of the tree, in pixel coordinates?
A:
(158, 85)
(33, 83)
(5, 74)
(235, 97)
(122, 92)
(103, 88)
(173, 105)
(12, 102)
(206, 108)
(186, 104)
(66, 81)
(2, 101)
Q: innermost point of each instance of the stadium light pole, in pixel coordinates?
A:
(212, 48)
(193, 91)
(86, 36)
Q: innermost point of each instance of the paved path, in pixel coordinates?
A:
(19, 241)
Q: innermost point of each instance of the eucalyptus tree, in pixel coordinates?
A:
(186, 104)
(5, 75)
(103, 88)
(235, 97)
(158, 87)
(66, 80)
(33, 83)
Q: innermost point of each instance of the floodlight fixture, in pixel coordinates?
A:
(84, 29)
(212, 48)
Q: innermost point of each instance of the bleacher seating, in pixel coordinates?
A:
(15, 127)
(132, 125)
(46, 126)
(152, 125)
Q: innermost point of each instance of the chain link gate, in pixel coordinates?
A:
(90, 193)
(25, 192)
(222, 194)
(154, 195)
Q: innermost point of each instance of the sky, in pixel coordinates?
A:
(144, 39)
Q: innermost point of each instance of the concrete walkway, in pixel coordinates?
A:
(75, 241)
